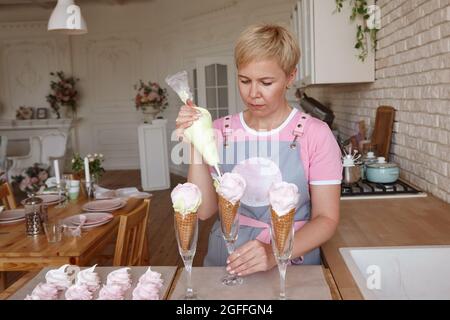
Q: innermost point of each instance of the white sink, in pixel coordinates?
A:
(412, 272)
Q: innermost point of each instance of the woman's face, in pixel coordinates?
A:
(262, 85)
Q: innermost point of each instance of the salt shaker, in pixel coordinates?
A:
(33, 216)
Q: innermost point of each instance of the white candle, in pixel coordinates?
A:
(56, 165)
(86, 169)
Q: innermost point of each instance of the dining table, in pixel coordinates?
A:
(21, 252)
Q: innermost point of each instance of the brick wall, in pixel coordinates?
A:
(413, 76)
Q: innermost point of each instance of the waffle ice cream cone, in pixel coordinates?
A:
(228, 213)
(185, 225)
(282, 225)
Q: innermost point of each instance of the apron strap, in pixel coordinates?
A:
(299, 129)
(226, 130)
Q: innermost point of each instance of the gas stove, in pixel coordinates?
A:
(364, 189)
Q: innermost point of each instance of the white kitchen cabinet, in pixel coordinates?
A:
(327, 39)
(153, 156)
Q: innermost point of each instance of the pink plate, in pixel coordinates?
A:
(92, 219)
(104, 205)
(10, 215)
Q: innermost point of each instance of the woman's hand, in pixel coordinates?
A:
(251, 257)
(185, 118)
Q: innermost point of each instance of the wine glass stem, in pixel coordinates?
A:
(282, 268)
(230, 246)
(189, 289)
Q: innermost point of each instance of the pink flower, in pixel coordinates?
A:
(43, 175)
(24, 183)
(153, 96)
(34, 180)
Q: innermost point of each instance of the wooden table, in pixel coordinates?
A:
(19, 252)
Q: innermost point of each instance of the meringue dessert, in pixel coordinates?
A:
(120, 277)
(78, 292)
(186, 198)
(283, 198)
(111, 292)
(62, 277)
(43, 291)
(230, 188)
(89, 278)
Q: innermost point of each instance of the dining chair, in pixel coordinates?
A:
(131, 237)
(7, 196)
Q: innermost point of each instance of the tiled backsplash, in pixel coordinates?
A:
(413, 76)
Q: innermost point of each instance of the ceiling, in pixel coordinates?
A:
(51, 3)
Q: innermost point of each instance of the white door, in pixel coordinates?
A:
(215, 85)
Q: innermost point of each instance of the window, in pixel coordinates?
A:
(215, 86)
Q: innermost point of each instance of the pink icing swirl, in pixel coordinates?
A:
(78, 292)
(62, 277)
(146, 292)
(89, 278)
(111, 292)
(231, 186)
(43, 291)
(186, 198)
(283, 197)
(120, 277)
(151, 278)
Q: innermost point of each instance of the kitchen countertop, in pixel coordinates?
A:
(384, 222)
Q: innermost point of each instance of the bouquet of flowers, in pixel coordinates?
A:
(95, 165)
(150, 95)
(64, 93)
(32, 179)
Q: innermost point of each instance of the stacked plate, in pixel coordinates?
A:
(48, 199)
(104, 205)
(92, 219)
(12, 216)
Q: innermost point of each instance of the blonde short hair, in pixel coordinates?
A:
(267, 41)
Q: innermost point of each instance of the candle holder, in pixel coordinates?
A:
(90, 190)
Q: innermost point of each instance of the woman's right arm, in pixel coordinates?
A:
(198, 170)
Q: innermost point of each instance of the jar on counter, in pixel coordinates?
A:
(33, 221)
(369, 158)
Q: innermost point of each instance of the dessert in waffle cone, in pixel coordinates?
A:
(228, 213)
(186, 225)
(282, 225)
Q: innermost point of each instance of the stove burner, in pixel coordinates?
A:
(366, 188)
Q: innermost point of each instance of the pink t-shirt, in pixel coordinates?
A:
(319, 150)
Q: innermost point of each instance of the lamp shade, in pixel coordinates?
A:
(67, 18)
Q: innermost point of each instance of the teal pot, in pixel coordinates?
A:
(382, 172)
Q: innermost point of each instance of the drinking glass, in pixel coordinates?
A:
(282, 249)
(186, 232)
(230, 228)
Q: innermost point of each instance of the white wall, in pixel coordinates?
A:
(413, 76)
(140, 40)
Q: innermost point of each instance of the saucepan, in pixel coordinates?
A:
(382, 172)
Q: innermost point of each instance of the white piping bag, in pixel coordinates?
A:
(200, 133)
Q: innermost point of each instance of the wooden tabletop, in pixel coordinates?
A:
(302, 282)
(19, 252)
(384, 222)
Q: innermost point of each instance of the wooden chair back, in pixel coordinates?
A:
(131, 236)
(7, 196)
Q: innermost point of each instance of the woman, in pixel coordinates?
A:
(295, 148)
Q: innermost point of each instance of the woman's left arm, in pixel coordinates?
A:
(256, 256)
(324, 219)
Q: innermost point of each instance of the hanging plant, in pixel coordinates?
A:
(364, 34)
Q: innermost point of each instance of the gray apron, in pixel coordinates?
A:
(261, 163)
